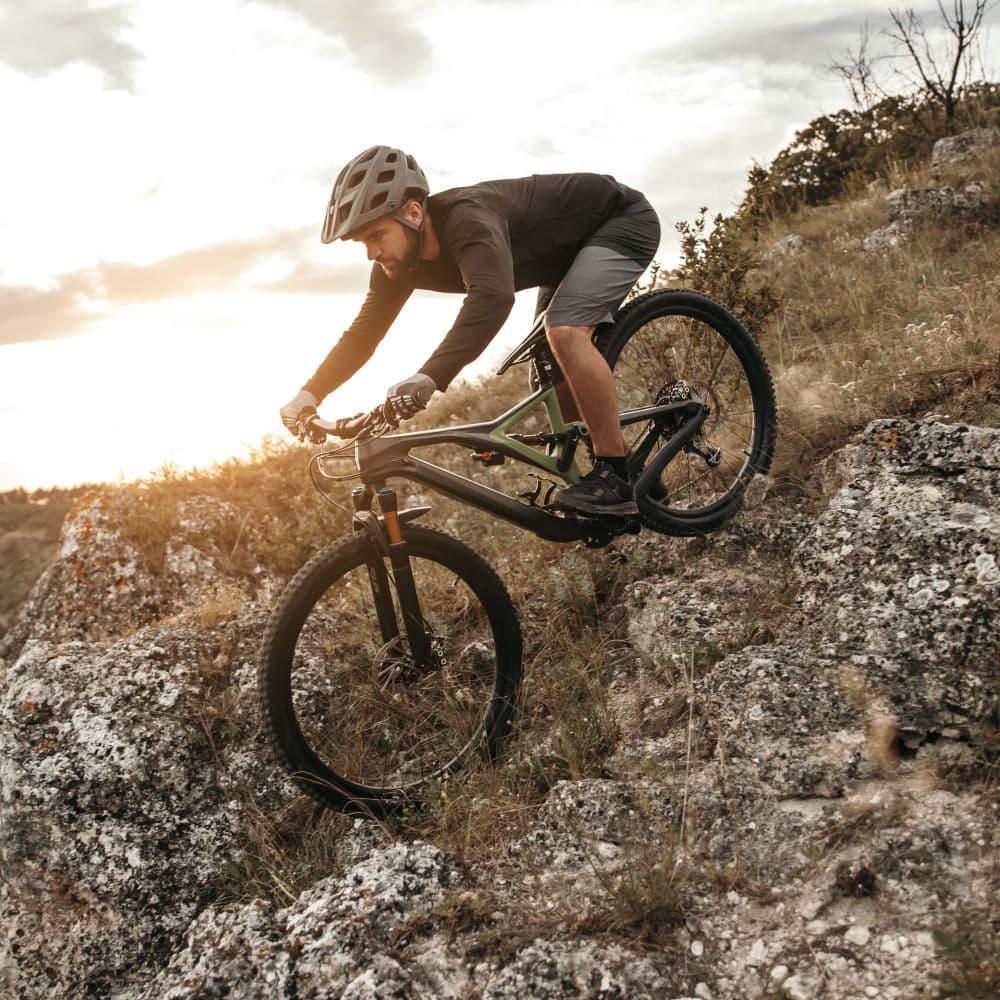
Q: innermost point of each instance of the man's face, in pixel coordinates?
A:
(390, 244)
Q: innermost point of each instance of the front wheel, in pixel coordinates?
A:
(357, 720)
(675, 344)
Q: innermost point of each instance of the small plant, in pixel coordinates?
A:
(285, 852)
(721, 260)
(642, 900)
(969, 952)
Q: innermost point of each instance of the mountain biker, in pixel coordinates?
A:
(582, 239)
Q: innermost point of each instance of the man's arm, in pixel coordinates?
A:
(481, 248)
(357, 344)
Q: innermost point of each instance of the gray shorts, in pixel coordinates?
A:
(605, 269)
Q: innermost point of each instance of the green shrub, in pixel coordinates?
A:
(835, 151)
(722, 262)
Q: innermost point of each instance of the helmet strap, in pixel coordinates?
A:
(420, 229)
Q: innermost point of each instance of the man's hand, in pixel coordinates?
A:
(408, 397)
(297, 409)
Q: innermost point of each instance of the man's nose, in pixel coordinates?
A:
(372, 251)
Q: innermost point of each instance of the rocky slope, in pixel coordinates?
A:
(793, 819)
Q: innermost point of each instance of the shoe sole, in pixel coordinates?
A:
(628, 509)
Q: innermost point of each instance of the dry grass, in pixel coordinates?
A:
(908, 332)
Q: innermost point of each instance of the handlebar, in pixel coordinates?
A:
(359, 427)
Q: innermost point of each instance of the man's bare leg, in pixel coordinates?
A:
(592, 385)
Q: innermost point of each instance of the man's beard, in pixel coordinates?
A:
(411, 256)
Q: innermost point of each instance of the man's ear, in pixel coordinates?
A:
(414, 211)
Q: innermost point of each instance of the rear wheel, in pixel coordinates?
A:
(357, 720)
(675, 344)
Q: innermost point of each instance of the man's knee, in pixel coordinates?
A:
(561, 337)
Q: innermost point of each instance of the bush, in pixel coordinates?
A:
(720, 263)
(849, 147)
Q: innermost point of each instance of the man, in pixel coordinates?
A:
(581, 239)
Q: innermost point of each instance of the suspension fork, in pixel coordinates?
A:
(365, 520)
(402, 574)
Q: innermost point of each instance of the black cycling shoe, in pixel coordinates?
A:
(601, 493)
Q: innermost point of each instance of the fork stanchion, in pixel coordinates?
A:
(378, 576)
(402, 574)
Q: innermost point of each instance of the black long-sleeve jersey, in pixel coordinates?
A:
(496, 238)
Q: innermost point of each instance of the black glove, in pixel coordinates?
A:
(349, 427)
(408, 397)
(298, 409)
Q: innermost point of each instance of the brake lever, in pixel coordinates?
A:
(306, 431)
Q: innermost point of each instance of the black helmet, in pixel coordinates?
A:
(377, 182)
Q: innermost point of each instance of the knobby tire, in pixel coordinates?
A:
(353, 720)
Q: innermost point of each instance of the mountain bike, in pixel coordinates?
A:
(394, 654)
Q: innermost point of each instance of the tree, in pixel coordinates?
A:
(940, 83)
(858, 73)
(935, 75)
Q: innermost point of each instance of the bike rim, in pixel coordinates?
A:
(369, 713)
(673, 354)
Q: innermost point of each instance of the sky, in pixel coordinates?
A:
(165, 169)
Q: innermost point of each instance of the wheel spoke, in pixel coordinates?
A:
(365, 711)
(681, 335)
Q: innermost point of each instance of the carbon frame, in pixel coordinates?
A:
(382, 458)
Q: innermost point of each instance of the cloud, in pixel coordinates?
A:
(28, 313)
(44, 35)
(377, 33)
(79, 298)
(808, 43)
(210, 268)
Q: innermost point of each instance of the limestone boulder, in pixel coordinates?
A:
(114, 827)
(961, 150)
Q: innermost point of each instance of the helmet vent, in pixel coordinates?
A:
(375, 183)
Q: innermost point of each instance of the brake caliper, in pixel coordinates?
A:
(677, 391)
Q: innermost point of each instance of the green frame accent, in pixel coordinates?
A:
(550, 463)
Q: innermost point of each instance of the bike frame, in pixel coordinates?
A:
(389, 457)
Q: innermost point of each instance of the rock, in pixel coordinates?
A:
(961, 149)
(100, 586)
(788, 246)
(880, 241)
(908, 206)
(899, 572)
(822, 773)
(113, 824)
(595, 822)
(858, 935)
(97, 586)
(336, 939)
(554, 970)
(834, 472)
(758, 953)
